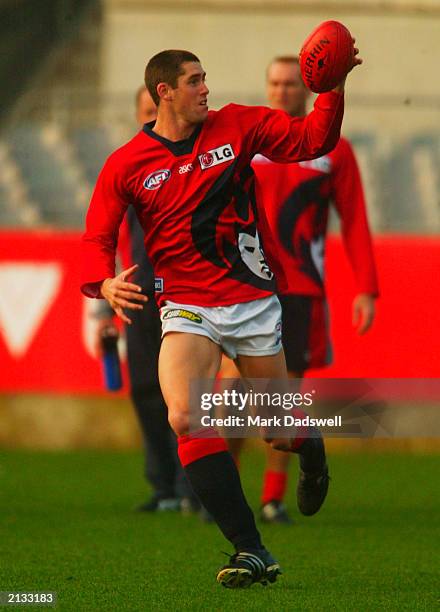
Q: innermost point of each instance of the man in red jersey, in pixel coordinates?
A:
(170, 490)
(189, 179)
(294, 201)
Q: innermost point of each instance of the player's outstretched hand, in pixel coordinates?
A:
(357, 61)
(363, 312)
(121, 294)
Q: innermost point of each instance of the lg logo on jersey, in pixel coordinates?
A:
(220, 155)
(156, 179)
(209, 159)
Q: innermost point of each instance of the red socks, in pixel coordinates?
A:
(275, 483)
(274, 486)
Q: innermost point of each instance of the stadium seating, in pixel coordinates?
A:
(93, 146)
(368, 157)
(53, 176)
(410, 183)
(16, 208)
(426, 163)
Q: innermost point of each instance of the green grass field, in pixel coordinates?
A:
(67, 525)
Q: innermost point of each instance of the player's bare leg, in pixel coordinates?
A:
(276, 469)
(268, 366)
(228, 369)
(275, 481)
(184, 357)
(208, 464)
(313, 479)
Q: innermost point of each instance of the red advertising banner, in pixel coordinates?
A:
(46, 328)
(46, 333)
(404, 340)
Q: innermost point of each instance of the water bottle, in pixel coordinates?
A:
(110, 359)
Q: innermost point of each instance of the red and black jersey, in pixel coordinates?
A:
(293, 201)
(195, 200)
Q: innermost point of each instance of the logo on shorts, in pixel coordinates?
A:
(158, 284)
(278, 328)
(156, 179)
(213, 157)
(183, 314)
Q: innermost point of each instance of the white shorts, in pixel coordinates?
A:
(250, 328)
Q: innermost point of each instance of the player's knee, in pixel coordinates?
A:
(179, 421)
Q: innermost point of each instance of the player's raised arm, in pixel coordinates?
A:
(357, 61)
(287, 139)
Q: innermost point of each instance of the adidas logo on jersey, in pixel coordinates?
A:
(220, 155)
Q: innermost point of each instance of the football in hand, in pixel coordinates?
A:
(326, 56)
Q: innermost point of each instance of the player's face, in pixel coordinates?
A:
(285, 88)
(190, 98)
(146, 109)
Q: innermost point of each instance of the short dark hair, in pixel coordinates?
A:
(166, 67)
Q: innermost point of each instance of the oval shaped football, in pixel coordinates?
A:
(326, 56)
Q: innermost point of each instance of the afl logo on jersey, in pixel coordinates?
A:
(216, 156)
(156, 179)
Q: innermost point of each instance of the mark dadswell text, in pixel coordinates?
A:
(286, 420)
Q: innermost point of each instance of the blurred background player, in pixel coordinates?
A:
(171, 490)
(294, 203)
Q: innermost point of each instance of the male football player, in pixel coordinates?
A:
(295, 201)
(188, 177)
(162, 466)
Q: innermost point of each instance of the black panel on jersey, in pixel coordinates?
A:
(306, 194)
(180, 147)
(206, 217)
(245, 197)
